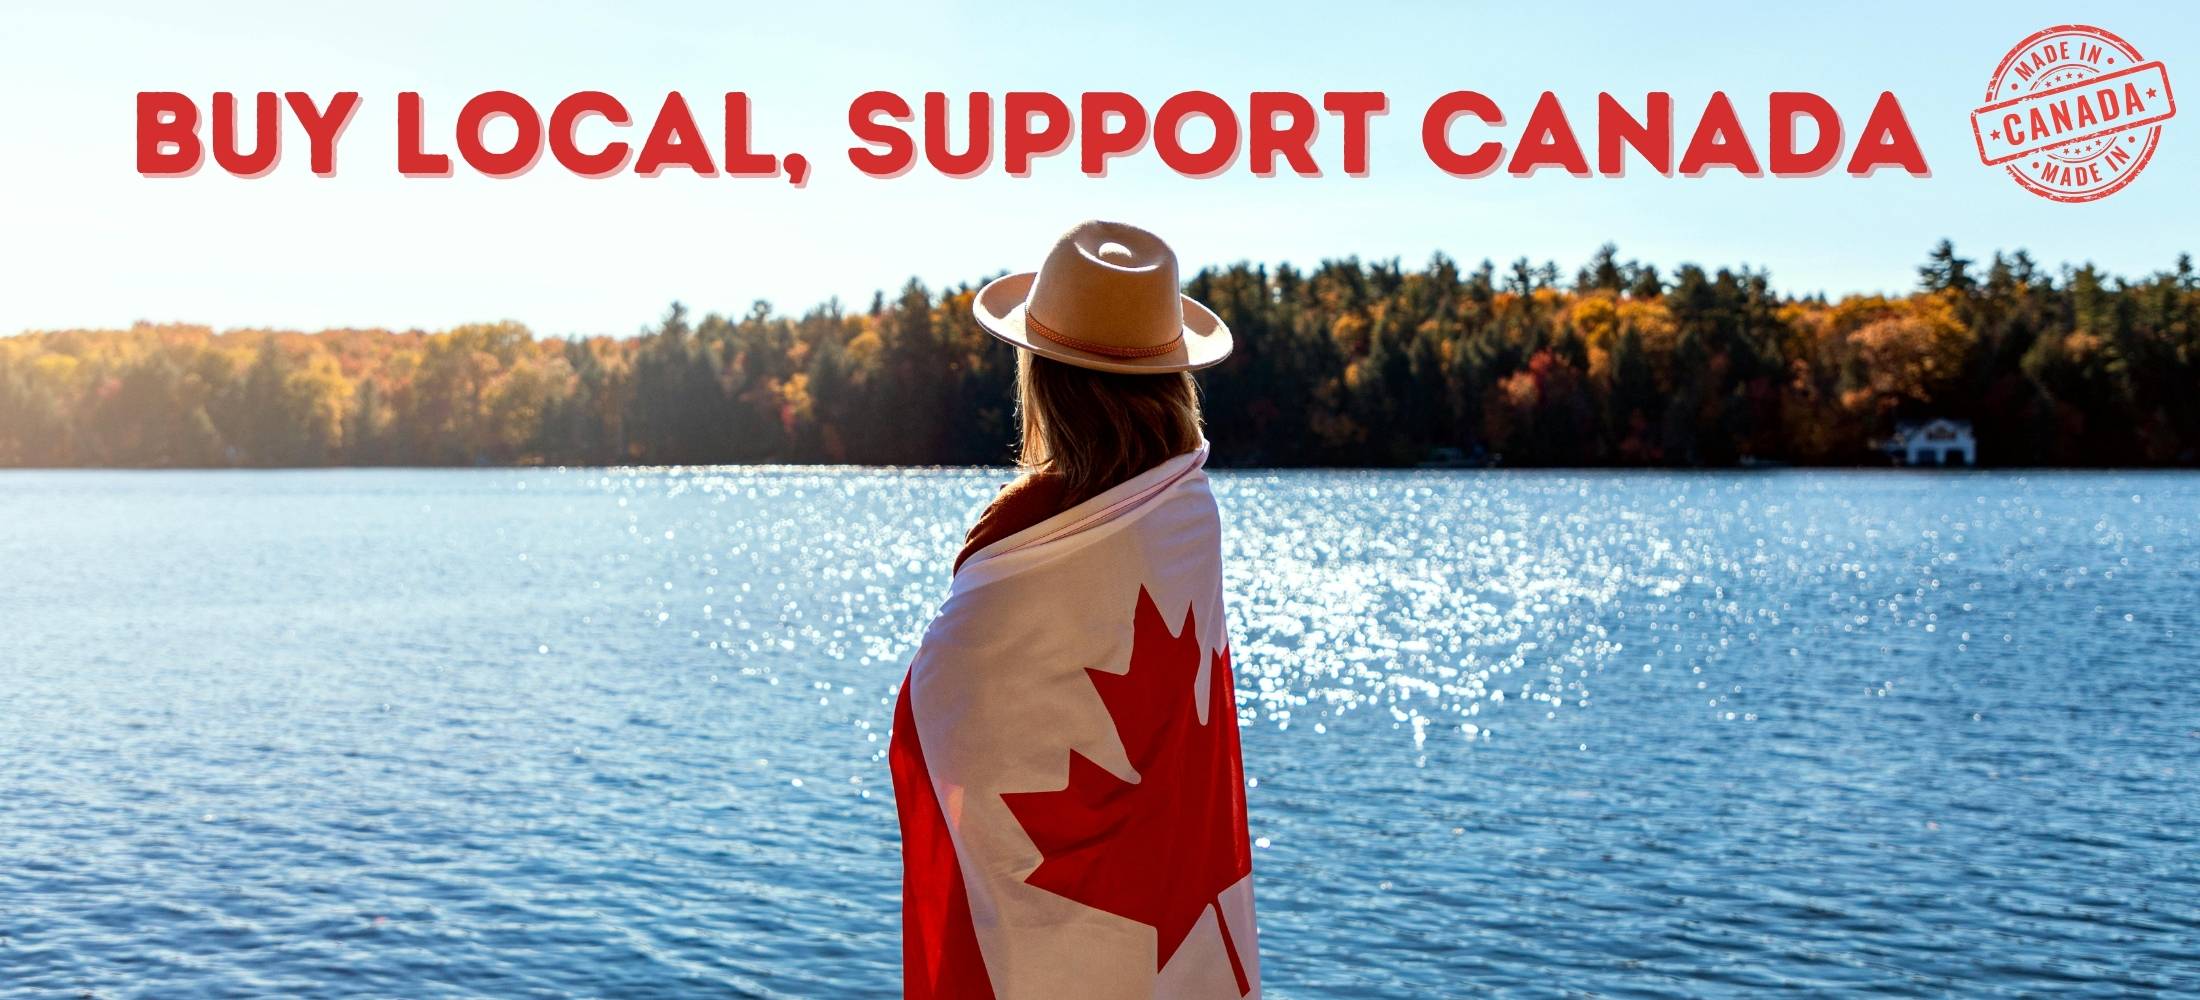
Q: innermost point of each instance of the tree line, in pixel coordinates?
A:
(1347, 363)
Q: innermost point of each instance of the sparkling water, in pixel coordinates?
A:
(622, 733)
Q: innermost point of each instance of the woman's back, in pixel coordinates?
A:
(1026, 500)
(1065, 757)
(1065, 748)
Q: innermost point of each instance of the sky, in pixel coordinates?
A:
(90, 243)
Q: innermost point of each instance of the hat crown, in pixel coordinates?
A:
(1110, 285)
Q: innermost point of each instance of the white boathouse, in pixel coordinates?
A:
(1935, 442)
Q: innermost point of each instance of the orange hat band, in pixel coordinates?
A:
(1104, 350)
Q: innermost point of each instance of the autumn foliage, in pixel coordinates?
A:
(1348, 363)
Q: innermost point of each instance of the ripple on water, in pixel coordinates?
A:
(623, 732)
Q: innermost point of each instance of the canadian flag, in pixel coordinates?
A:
(1065, 758)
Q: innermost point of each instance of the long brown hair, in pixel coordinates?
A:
(1096, 429)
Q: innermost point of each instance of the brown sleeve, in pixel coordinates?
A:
(1022, 503)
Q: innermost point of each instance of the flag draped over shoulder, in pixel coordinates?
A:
(1065, 758)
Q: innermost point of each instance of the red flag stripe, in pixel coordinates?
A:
(939, 944)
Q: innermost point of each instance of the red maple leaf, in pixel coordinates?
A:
(1159, 849)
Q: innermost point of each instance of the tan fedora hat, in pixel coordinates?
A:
(1106, 298)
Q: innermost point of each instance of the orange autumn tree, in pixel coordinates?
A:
(1344, 363)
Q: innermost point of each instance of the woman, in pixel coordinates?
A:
(1065, 749)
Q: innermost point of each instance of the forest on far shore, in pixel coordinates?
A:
(1349, 363)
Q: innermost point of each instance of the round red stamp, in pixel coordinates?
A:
(2073, 113)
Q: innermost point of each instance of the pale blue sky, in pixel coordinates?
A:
(89, 242)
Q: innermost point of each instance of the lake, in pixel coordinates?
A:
(536, 733)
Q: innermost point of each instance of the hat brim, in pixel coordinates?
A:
(999, 308)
